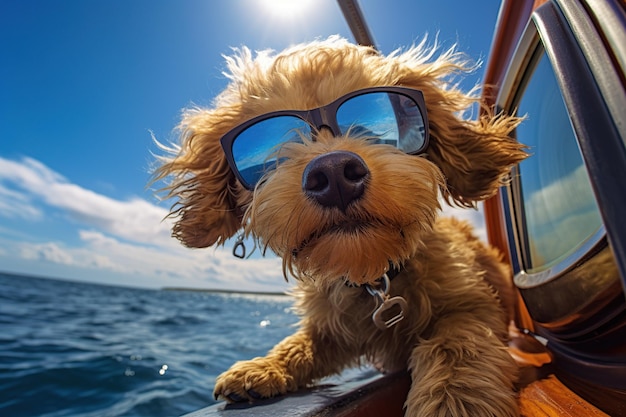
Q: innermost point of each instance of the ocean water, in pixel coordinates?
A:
(76, 349)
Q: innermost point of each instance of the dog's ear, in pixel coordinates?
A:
(204, 187)
(474, 155)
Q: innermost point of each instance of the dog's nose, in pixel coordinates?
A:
(335, 179)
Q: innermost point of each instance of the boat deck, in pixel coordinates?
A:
(366, 393)
(384, 395)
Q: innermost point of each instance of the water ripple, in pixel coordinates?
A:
(74, 349)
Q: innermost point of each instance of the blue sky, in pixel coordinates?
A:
(84, 83)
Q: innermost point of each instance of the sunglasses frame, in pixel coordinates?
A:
(321, 117)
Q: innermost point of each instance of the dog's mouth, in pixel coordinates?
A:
(358, 251)
(350, 227)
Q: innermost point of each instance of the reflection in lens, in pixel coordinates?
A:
(388, 118)
(410, 123)
(254, 149)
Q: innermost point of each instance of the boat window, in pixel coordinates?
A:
(559, 209)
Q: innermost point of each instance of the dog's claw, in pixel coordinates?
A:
(253, 394)
(235, 398)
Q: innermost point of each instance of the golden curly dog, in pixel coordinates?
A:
(334, 156)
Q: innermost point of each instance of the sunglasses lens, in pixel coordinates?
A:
(385, 117)
(255, 149)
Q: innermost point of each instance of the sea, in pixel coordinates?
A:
(78, 349)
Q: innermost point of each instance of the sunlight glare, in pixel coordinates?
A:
(285, 9)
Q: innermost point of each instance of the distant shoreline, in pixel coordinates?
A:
(104, 284)
(216, 291)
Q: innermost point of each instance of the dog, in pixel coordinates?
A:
(336, 157)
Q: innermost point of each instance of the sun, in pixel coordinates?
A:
(285, 9)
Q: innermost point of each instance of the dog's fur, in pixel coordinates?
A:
(453, 336)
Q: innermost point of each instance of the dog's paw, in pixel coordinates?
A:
(251, 380)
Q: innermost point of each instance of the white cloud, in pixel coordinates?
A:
(124, 237)
(561, 216)
(49, 251)
(157, 267)
(475, 216)
(14, 204)
(134, 220)
(562, 198)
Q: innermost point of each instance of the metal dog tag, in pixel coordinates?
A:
(381, 295)
(387, 306)
(239, 250)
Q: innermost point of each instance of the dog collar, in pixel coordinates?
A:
(389, 310)
(393, 271)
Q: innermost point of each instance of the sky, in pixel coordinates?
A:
(84, 86)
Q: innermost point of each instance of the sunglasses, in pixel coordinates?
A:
(393, 116)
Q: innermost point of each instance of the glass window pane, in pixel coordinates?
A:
(560, 210)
